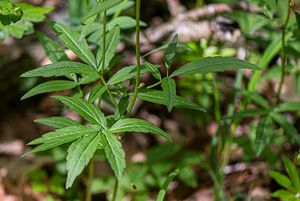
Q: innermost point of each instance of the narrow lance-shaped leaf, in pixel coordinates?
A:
(263, 134)
(171, 51)
(287, 126)
(169, 90)
(138, 125)
(57, 122)
(114, 153)
(213, 64)
(156, 96)
(50, 86)
(62, 136)
(63, 68)
(79, 155)
(87, 110)
(96, 92)
(167, 182)
(112, 42)
(288, 107)
(73, 41)
(101, 7)
(153, 70)
(53, 49)
(293, 173)
(281, 179)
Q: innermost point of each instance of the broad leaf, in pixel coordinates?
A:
(96, 92)
(138, 125)
(171, 52)
(169, 89)
(101, 7)
(153, 70)
(9, 12)
(263, 134)
(57, 122)
(114, 153)
(79, 155)
(63, 68)
(213, 64)
(156, 96)
(73, 41)
(53, 49)
(87, 110)
(50, 86)
(112, 42)
(62, 136)
(287, 126)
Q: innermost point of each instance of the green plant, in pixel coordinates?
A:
(290, 183)
(87, 79)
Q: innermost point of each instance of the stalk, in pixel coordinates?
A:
(90, 177)
(114, 198)
(283, 56)
(138, 57)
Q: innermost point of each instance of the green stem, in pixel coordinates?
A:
(283, 56)
(90, 178)
(138, 57)
(114, 198)
(104, 20)
(108, 91)
(154, 85)
(217, 107)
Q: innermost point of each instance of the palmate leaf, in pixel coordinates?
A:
(90, 112)
(171, 51)
(114, 153)
(50, 86)
(101, 7)
(138, 125)
(213, 64)
(112, 42)
(62, 68)
(75, 43)
(169, 89)
(62, 136)
(156, 96)
(53, 49)
(57, 122)
(79, 155)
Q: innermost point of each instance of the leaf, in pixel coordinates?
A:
(62, 136)
(164, 188)
(79, 155)
(72, 40)
(112, 42)
(53, 49)
(34, 13)
(287, 126)
(293, 174)
(124, 22)
(114, 153)
(124, 74)
(121, 107)
(62, 68)
(288, 107)
(263, 134)
(101, 7)
(96, 92)
(9, 12)
(171, 51)
(153, 70)
(50, 86)
(213, 64)
(156, 96)
(258, 99)
(169, 90)
(90, 112)
(138, 125)
(249, 113)
(57, 122)
(281, 179)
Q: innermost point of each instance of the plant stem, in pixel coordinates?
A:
(104, 20)
(108, 91)
(283, 56)
(138, 57)
(89, 185)
(115, 190)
